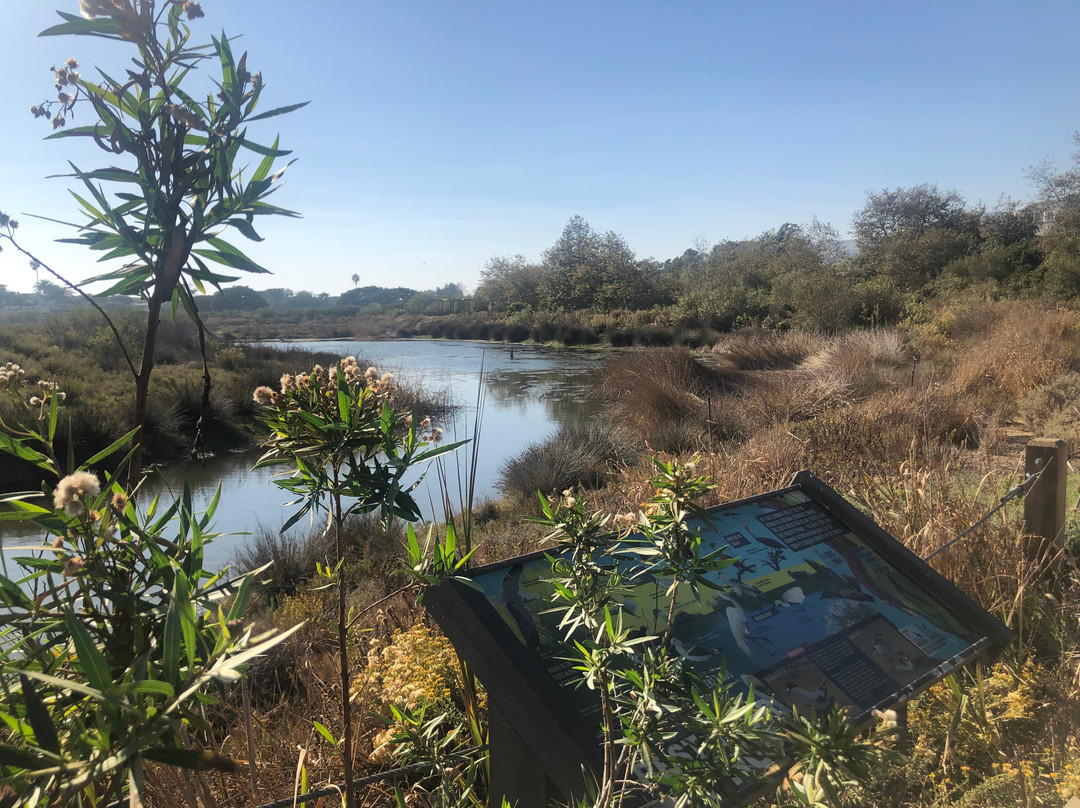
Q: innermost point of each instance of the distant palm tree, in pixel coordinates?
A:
(355, 280)
(52, 292)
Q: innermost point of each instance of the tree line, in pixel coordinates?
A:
(910, 244)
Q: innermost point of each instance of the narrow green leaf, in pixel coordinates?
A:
(278, 111)
(265, 150)
(245, 227)
(38, 716)
(170, 651)
(54, 415)
(67, 684)
(77, 25)
(326, 733)
(110, 449)
(91, 659)
(20, 758)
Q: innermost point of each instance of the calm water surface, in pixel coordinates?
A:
(524, 400)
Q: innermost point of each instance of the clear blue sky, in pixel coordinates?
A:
(440, 134)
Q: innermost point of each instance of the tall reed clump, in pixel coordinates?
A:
(574, 457)
(765, 350)
(649, 393)
(346, 451)
(1018, 347)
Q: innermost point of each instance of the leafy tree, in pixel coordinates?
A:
(1009, 223)
(911, 234)
(584, 270)
(355, 280)
(622, 283)
(175, 181)
(51, 292)
(1059, 238)
(1057, 187)
(234, 298)
(377, 296)
(508, 280)
(567, 264)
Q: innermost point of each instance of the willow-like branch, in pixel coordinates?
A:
(37, 262)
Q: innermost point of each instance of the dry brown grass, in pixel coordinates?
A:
(1023, 346)
(787, 396)
(644, 390)
(763, 350)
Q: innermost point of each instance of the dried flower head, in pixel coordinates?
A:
(73, 566)
(73, 491)
(886, 717)
(65, 76)
(264, 395)
(92, 8)
(58, 122)
(11, 373)
(186, 116)
(193, 10)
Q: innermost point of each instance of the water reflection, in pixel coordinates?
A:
(524, 400)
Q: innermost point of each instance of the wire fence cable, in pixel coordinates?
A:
(1017, 490)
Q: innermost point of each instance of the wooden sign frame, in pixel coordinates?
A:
(849, 573)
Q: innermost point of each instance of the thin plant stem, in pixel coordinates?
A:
(108, 321)
(343, 642)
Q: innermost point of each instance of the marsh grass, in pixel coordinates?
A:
(644, 391)
(763, 350)
(574, 457)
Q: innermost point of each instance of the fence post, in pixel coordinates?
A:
(1044, 506)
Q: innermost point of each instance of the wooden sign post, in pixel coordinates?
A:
(1044, 505)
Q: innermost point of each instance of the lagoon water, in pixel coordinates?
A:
(523, 400)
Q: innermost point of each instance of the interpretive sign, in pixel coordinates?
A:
(821, 608)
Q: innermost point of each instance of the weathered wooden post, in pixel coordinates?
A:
(1044, 506)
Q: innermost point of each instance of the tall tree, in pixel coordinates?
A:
(1059, 201)
(910, 235)
(509, 280)
(175, 182)
(567, 265)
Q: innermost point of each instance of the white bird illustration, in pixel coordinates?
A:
(819, 699)
(791, 597)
